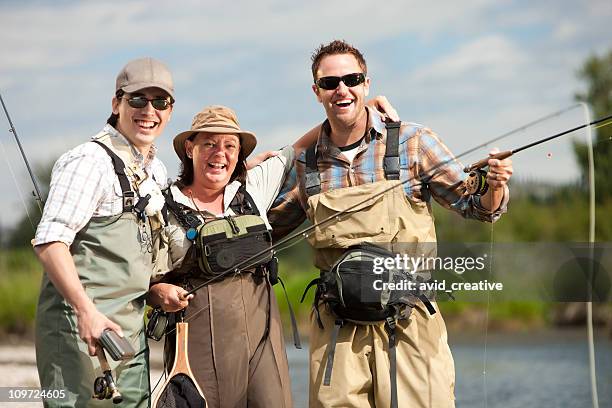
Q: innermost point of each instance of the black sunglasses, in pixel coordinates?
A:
(139, 102)
(332, 82)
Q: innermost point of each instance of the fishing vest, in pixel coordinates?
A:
(224, 243)
(360, 231)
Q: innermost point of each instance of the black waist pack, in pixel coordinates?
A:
(361, 289)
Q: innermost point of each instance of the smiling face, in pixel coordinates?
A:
(215, 157)
(343, 105)
(141, 126)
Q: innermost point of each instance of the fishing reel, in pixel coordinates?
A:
(104, 386)
(158, 322)
(476, 182)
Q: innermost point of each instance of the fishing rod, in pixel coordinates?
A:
(306, 231)
(36, 193)
(507, 153)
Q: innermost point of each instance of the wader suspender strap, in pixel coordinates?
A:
(331, 351)
(126, 189)
(237, 204)
(313, 178)
(296, 334)
(391, 164)
(180, 212)
(390, 325)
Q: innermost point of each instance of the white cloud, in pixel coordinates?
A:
(469, 69)
(489, 58)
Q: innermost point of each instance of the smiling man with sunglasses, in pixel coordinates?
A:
(366, 354)
(98, 241)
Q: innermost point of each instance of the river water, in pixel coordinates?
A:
(544, 369)
(522, 371)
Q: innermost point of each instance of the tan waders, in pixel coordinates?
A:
(236, 347)
(361, 369)
(236, 361)
(113, 259)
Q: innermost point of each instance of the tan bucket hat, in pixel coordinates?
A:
(215, 119)
(145, 73)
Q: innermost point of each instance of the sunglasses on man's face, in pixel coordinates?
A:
(332, 82)
(139, 102)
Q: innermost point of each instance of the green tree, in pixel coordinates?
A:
(597, 73)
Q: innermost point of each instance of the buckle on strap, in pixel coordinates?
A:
(129, 197)
(391, 166)
(312, 183)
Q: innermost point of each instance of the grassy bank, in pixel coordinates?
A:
(20, 275)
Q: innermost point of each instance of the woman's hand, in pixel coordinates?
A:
(170, 298)
(382, 105)
(258, 158)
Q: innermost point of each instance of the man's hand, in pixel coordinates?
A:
(170, 298)
(382, 105)
(498, 176)
(90, 324)
(500, 171)
(258, 158)
(59, 267)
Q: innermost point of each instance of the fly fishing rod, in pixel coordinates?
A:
(36, 193)
(306, 231)
(507, 153)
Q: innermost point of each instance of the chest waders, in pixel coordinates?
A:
(113, 257)
(388, 224)
(238, 355)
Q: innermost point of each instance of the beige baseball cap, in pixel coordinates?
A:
(145, 73)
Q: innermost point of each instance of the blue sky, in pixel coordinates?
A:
(470, 70)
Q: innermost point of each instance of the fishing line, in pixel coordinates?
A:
(304, 233)
(486, 324)
(602, 122)
(23, 202)
(590, 335)
(36, 192)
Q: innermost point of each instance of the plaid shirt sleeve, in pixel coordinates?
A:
(79, 181)
(287, 213)
(445, 181)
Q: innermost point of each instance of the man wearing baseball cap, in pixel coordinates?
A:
(98, 242)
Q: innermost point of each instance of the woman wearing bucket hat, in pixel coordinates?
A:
(96, 243)
(237, 349)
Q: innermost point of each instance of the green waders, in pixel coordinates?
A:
(113, 257)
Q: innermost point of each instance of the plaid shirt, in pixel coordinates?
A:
(418, 161)
(84, 185)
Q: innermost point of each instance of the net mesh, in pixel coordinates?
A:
(180, 392)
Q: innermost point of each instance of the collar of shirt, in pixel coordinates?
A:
(138, 157)
(375, 128)
(228, 195)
